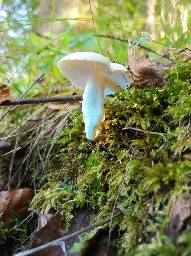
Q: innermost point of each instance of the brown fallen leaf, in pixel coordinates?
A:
(56, 106)
(68, 107)
(180, 213)
(43, 220)
(97, 245)
(50, 227)
(14, 202)
(4, 93)
(144, 71)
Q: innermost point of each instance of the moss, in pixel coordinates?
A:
(137, 159)
(12, 237)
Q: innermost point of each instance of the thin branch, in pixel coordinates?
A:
(148, 132)
(38, 79)
(23, 221)
(138, 44)
(63, 99)
(10, 152)
(57, 241)
(140, 130)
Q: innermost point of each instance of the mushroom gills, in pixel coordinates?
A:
(116, 82)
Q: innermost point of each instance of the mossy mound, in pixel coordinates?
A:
(137, 164)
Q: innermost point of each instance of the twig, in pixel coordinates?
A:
(38, 79)
(63, 247)
(62, 99)
(10, 152)
(148, 132)
(23, 221)
(138, 44)
(57, 241)
(140, 130)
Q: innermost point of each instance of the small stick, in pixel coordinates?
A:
(63, 99)
(140, 130)
(57, 241)
(148, 132)
(38, 79)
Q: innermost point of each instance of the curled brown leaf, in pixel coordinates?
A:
(4, 93)
(144, 71)
(14, 203)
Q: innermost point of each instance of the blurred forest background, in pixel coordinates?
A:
(36, 34)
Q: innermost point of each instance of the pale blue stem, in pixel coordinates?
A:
(93, 106)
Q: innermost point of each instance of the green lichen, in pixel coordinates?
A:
(137, 159)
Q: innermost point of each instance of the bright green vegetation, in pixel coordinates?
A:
(137, 159)
(26, 55)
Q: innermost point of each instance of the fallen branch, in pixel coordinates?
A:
(63, 99)
(137, 44)
(57, 241)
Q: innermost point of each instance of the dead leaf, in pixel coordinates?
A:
(180, 213)
(4, 93)
(97, 245)
(14, 203)
(144, 71)
(43, 220)
(56, 106)
(51, 230)
(50, 227)
(68, 107)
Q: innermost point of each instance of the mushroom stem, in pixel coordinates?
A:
(93, 106)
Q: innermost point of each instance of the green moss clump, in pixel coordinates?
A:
(136, 160)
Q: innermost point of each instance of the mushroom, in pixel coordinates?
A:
(94, 74)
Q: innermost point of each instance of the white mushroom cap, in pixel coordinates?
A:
(79, 65)
(94, 74)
